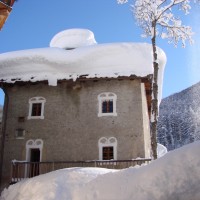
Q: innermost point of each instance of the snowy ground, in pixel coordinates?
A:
(175, 176)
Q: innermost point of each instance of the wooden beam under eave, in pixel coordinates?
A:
(4, 13)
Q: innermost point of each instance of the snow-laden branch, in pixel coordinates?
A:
(157, 18)
(122, 1)
(176, 32)
(160, 12)
(183, 4)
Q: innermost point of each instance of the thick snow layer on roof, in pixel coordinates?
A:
(102, 60)
(73, 38)
(174, 176)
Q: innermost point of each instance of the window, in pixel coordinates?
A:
(33, 144)
(36, 108)
(108, 153)
(107, 104)
(19, 133)
(107, 148)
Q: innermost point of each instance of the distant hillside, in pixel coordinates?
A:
(179, 119)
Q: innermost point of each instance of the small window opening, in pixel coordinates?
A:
(108, 153)
(107, 148)
(19, 133)
(36, 109)
(107, 106)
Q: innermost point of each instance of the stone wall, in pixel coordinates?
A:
(0, 135)
(1, 115)
(71, 127)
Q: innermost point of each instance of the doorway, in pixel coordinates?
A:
(34, 162)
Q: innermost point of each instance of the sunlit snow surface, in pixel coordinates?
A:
(102, 60)
(161, 150)
(174, 176)
(73, 38)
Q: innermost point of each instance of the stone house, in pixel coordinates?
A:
(77, 101)
(0, 134)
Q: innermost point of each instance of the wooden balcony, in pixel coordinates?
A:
(21, 170)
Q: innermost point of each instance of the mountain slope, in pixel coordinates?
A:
(179, 118)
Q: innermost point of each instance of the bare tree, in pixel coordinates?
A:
(157, 18)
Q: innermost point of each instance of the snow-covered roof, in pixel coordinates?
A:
(91, 61)
(73, 38)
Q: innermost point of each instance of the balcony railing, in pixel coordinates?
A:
(21, 170)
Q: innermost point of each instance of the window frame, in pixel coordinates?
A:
(107, 142)
(36, 100)
(107, 96)
(33, 144)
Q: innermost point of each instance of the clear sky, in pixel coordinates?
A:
(33, 23)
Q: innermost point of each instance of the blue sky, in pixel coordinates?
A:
(33, 23)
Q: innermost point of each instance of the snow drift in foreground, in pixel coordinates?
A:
(172, 177)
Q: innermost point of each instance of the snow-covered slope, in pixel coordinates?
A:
(179, 120)
(174, 176)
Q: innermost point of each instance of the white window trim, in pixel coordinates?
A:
(107, 96)
(107, 142)
(33, 100)
(33, 144)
